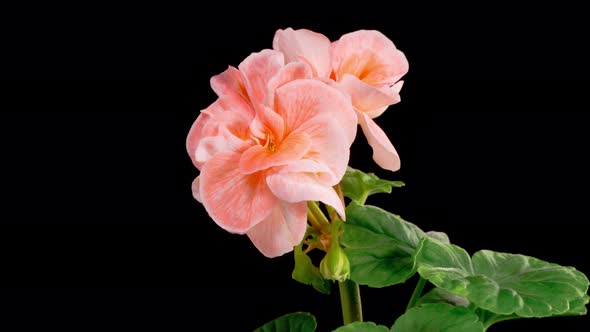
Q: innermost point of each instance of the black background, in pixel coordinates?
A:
(100, 231)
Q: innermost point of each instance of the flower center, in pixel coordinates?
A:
(270, 146)
(267, 142)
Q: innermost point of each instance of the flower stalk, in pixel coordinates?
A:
(417, 293)
(350, 299)
(317, 218)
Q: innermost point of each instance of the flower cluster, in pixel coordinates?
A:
(280, 132)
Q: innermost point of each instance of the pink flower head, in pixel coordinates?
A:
(273, 140)
(366, 65)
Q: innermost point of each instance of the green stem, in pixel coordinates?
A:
(313, 220)
(363, 199)
(417, 293)
(317, 217)
(350, 298)
(488, 318)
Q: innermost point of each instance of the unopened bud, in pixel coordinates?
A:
(335, 265)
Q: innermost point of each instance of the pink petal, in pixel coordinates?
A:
(397, 87)
(367, 98)
(393, 92)
(290, 72)
(196, 189)
(231, 81)
(301, 187)
(282, 230)
(196, 133)
(384, 153)
(301, 102)
(370, 56)
(259, 68)
(258, 158)
(325, 115)
(222, 126)
(306, 46)
(209, 147)
(235, 201)
(323, 172)
(267, 122)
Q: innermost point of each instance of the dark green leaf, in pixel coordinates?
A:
(358, 185)
(438, 317)
(306, 273)
(362, 327)
(295, 322)
(504, 284)
(381, 246)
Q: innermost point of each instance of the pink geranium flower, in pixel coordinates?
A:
(273, 140)
(364, 64)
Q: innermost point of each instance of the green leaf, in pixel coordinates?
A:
(358, 185)
(440, 236)
(294, 322)
(439, 295)
(381, 246)
(444, 265)
(438, 317)
(502, 283)
(526, 286)
(488, 318)
(578, 306)
(306, 273)
(362, 327)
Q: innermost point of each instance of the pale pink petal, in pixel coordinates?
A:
(282, 230)
(400, 67)
(230, 135)
(367, 98)
(267, 122)
(384, 153)
(235, 201)
(302, 101)
(196, 189)
(196, 133)
(231, 81)
(301, 187)
(393, 92)
(290, 72)
(233, 102)
(323, 172)
(370, 56)
(222, 126)
(259, 68)
(397, 87)
(306, 46)
(305, 165)
(325, 114)
(258, 158)
(209, 147)
(329, 146)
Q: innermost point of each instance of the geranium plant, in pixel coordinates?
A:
(273, 151)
